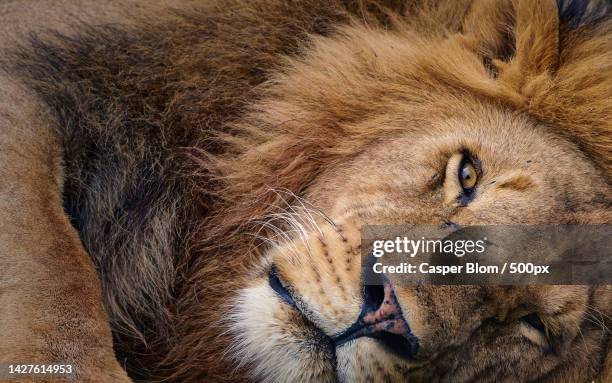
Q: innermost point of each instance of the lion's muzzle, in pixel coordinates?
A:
(381, 318)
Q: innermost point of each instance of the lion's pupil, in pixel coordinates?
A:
(468, 176)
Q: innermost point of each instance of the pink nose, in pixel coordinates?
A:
(382, 319)
(388, 317)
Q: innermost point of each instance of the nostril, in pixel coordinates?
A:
(373, 297)
(382, 319)
(387, 315)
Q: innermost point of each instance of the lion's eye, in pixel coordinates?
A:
(534, 321)
(463, 172)
(467, 175)
(534, 329)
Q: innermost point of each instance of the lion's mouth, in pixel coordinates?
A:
(278, 287)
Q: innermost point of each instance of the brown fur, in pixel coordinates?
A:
(176, 126)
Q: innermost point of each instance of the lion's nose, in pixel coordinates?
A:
(382, 311)
(381, 318)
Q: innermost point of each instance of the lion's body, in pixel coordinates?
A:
(157, 134)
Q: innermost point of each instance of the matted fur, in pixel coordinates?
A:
(178, 132)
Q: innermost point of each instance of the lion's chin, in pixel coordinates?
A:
(276, 342)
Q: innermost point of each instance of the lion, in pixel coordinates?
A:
(184, 185)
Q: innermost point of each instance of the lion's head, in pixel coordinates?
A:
(504, 120)
(308, 120)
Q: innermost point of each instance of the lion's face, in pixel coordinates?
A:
(304, 314)
(521, 174)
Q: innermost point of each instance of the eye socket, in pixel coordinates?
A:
(534, 321)
(463, 172)
(535, 330)
(468, 176)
